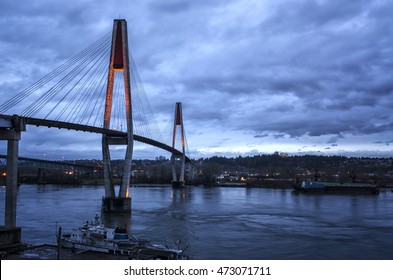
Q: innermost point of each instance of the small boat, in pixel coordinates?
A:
(336, 187)
(95, 237)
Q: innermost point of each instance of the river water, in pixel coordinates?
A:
(223, 223)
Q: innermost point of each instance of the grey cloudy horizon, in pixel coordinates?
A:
(296, 76)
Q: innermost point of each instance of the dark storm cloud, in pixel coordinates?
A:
(343, 89)
(273, 69)
(334, 139)
(332, 56)
(320, 53)
(387, 143)
(287, 16)
(170, 7)
(261, 135)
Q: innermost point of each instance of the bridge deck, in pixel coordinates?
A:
(92, 129)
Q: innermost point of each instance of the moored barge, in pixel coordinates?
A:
(336, 188)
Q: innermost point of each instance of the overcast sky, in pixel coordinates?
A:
(254, 77)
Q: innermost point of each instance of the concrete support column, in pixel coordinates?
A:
(174, 175)
(123, 190)
(109, 188)
(12, 180)
(182, 168)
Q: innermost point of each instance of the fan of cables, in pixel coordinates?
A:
(75, 92)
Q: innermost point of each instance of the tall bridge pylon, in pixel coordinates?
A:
(119, 62)
(178, 161)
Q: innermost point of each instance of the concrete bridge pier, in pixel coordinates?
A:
(11, 179)
(10, 130)
(116, 205)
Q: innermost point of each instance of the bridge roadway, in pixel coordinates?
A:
(59, 164)
(93, 129)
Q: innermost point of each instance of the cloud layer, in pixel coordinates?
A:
(253, 76)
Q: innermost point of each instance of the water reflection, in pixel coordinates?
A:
(180, 195)
(223, 223)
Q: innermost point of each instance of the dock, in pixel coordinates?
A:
(50, 252)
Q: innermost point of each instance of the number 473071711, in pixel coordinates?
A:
(243, 270)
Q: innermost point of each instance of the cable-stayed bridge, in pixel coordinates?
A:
(7, 121)
(98, 91)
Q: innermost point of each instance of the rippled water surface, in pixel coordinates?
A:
(223, 223)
